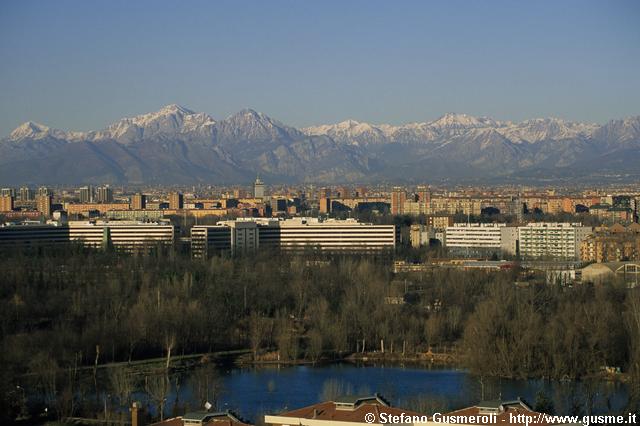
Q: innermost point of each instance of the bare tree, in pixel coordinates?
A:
(158, 388)
(334, 388)
(122, 385)
(315, 344)
(258, 327)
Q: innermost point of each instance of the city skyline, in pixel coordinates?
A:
(318, 63)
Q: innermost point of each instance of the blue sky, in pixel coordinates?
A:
(80, 65)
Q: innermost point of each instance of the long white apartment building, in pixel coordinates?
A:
(335, 234)
(534, 240)
(482, 235)
(292, 234)
(121, 235)
(554, 240)
(480, 238)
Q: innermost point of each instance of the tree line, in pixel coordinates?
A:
(63, 309)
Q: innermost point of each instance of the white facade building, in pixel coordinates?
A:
(298, 233)
(121, 235)
(554, 240)
(535, 240)
(336, 234)
(474, 238)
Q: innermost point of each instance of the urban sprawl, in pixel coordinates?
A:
(570, 235)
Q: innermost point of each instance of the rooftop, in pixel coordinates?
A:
(502, 411)
(204, 418)
(343, 409)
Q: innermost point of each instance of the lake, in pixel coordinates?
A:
(254, 391)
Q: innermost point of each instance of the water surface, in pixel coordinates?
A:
(254, 391)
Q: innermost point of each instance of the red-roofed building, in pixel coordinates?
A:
(516, 412)
(204, 418)
(351, 410)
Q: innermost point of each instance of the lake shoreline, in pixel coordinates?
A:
(424, 359)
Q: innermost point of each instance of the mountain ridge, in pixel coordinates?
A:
(178, 145)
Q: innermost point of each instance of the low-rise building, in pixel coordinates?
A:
(495, 412)
(204, 418)
(628, 272)
(345, 411)
(612, 244)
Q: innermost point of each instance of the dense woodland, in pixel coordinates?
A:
(63, 309)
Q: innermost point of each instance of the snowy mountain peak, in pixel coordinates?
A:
(353, 132)
(622, 131)
(350, 123)
(172, 110)
(249, 117)
(539, 129)
(36, 131)
(29, 129)
(175, 109)
(357, 127)
(175, 144)
(453, 120)
(251, 125)
(248, 113)
(170, 120)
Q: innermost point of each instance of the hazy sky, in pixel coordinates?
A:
(80, 65)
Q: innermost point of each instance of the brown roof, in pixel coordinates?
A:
(175, 421)
(337, 411)
(503, 412)
(220, 420)
(617, 228)
(635, 227)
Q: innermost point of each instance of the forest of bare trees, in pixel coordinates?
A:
(70, 309)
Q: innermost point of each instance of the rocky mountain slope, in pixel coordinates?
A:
(177, 145)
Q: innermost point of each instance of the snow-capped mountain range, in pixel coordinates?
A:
(450, 124)
(177, 145)
(172, 119)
